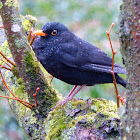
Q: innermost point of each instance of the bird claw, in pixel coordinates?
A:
(62, 103)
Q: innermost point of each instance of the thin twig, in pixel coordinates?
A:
(5, 62)
(51, 79)
(27, 104)
(7, 59)
(32, 40)
(112, 72)
(7, 86)
(35, 95)
(29, 35)
(1, 66)
(24, 103)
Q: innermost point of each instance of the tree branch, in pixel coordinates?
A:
(27, 72)
(26, 63)
(96, 118)
(130, 48)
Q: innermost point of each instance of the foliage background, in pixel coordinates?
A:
(88, 19)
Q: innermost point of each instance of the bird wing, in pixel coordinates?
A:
(86, 57)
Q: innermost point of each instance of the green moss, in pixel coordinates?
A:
(5, 50)
(19, 109)
(56, 119)
(21, 42)
(66, 135)
(28, 22)
(10, 3)
(66, 118)
(22, 110)
(15, 72)
(1, 5)
(17, 87)
(20, 89)
(31, 65)
(32, 70)
(106, 107)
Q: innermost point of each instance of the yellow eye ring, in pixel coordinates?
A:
(54, 32)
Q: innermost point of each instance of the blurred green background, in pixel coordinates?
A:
(88, 19)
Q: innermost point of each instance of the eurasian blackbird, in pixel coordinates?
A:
(72, 59)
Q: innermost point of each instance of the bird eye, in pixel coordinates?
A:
(54, 32)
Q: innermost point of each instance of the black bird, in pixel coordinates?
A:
(72, 59)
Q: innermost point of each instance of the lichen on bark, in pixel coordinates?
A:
(27, 75)
(130, 47)
(94, 118)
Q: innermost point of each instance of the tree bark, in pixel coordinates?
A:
(130, 47)
(26, 63)
(27, 73)
(93, 119)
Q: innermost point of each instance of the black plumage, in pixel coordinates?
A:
(72, 59)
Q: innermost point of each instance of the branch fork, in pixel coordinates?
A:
(8, 66)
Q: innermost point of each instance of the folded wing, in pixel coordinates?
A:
(86, 57)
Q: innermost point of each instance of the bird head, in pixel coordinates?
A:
(54, 32)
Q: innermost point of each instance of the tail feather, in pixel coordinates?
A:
(119, 69)
(121, 81)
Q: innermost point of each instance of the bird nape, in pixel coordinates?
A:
(73, 60)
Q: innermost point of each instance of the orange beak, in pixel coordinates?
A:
(40, 33)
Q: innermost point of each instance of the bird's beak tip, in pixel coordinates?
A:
(40, 33)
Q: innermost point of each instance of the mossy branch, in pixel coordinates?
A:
(28, 72)
(26, 63)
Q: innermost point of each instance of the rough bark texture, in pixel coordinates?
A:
(27, 74)
(26, 63)
(130, 46)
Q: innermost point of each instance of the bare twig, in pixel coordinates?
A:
(112, 71)
(5, 62)
(25, 103)
(7, 59)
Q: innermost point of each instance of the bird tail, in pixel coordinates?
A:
(121, 81)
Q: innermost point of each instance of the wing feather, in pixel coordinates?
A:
(87, 57)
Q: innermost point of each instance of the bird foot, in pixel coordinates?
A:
(62, 103)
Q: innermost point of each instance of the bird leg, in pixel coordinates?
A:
(70, 96)
(73, 89)
(60, 102)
